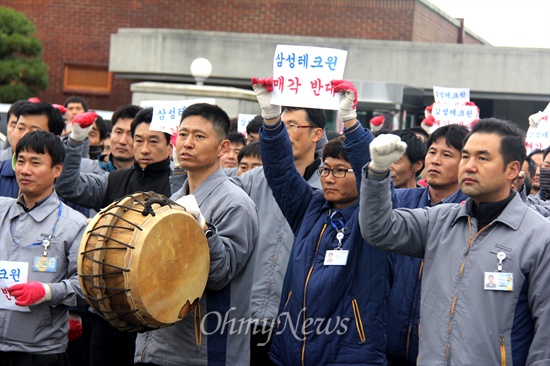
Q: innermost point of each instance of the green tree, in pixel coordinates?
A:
(22, 70)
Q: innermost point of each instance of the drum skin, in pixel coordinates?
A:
(143, 262)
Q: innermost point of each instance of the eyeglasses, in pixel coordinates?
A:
(292, 127)
(336, 172)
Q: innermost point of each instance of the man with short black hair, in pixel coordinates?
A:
(9, 145)
(494, 232)
(211, 334)
(39, 229)
(75, 105)
(404, 172)
(249, 157)
(229, 159)
(253, 129)
(442, 162)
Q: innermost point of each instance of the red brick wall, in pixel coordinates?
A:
(78, 31)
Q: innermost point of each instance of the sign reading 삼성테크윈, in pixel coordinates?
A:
(302, 76)
(167, 113)
(12, 273)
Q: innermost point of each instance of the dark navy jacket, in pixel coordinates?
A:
(343, 306)
(404, 301)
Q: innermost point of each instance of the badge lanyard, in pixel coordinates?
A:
(339, 231)
(47, 240)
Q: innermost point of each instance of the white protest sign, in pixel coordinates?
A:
(538, 138)
(167, 113)
(12, 273)
(242, 121)
(447, 114)
(302, 75)
(451, 95)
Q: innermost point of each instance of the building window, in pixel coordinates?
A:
(87, 79)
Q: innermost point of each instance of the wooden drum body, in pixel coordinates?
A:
(143, 262)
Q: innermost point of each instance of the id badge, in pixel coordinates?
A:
(498, 281)
(336, 257)
(44, 264)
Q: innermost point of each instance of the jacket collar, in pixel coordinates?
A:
(206, 187)
(154, 169)
(40, 211)
(512, 214)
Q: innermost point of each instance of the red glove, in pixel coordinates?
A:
(266, 82)
(61, 109)
(33, 100)
(427, 123)
(345, 86)
(376, 123)
(75, 328)
(85, 119)
(30, 293)
(262, 89)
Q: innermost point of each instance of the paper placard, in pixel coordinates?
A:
(167, 113)
(302, 76)
(451, 95)
(537, 138)
(12, 273)
(242, 121)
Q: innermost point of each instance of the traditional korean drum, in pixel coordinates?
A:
(143, 262)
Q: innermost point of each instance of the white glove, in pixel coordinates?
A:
(263, 89)
(82, 124)
(385, 150)
(534, 119)
(190, 204)
(79, 134)
(348, 99)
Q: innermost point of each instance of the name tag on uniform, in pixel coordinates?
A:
(498, 281)
(44, 264)
(336, 257)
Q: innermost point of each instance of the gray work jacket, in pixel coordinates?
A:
(462, 323)
(44, 329)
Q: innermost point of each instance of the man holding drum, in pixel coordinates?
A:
(39, 235)
(217, 330)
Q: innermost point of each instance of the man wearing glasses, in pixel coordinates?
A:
(332, 309)
(305, 129)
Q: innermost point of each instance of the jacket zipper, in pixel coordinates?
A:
(502, 351)
(455, 298)
(305, 290)
(358, 321)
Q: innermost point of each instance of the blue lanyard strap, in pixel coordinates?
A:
(50, 235)
(335, 223)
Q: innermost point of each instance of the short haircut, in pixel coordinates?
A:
(331, 134)
(254, 125)
(125, 111)
(145, 116)
(420, 130)
(213, 113)
(335, 149)
(316, 117)
(56, 124)
(75, 99)
(416, 149)
(236, 138)
(535, 152)
(102, 128)
(531, 166)
(512, 144)
(14, 108)
(42, 142)
(546, 151)
(252, 149)
(454, 136)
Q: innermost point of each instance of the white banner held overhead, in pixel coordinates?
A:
(302, 76)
